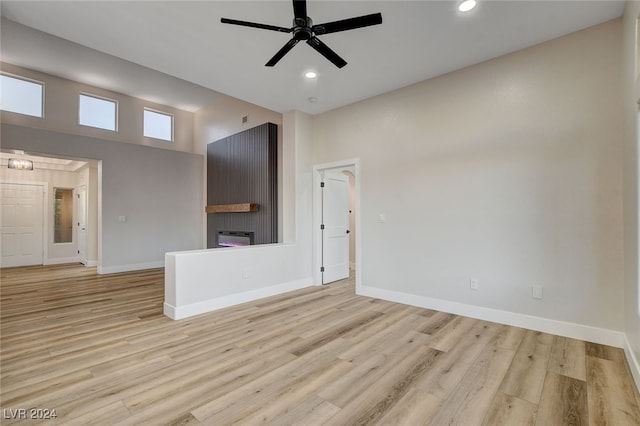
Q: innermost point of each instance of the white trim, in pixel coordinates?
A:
(77, 214)
(561, 328)
(632, 361)
(198, 308)
(47, 234)
(100, 98)
(28, 80)
(91, 263)
(156, 111)
(130, 267)
(99, 207)
(61, 260)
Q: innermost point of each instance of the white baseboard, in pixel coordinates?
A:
(181, 312)
(561, 328)
(74, 259)
(632, 360)
(169, 311)
(131, 267)
(62, 260)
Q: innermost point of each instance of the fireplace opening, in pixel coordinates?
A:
(234, 239)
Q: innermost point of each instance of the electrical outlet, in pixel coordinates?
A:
(536, 291)
(473, 283)
(246, 273)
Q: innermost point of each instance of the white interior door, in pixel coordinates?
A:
(335, 227)
(82, 223)
(21, 225)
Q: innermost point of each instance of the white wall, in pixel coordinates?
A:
(631, 187)
(509, 172)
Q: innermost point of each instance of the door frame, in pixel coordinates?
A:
(45, 214)
(82, 213)
(352, 165)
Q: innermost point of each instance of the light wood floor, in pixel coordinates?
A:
(97, 350)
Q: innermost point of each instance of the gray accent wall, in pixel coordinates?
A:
(157, 192)
(242, 168)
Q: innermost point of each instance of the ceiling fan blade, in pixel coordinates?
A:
(348, 24)
(255, 25)
(285, 49)
(325, 51)
(300, 10)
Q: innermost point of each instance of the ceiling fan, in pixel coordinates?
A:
(303, 29)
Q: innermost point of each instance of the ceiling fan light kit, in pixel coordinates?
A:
(304, 30)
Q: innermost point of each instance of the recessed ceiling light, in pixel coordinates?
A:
(467, 5)
(311, 74)
(312, 99)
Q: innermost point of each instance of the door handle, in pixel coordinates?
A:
(348, 232)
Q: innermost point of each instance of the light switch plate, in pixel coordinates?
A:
(536, 291)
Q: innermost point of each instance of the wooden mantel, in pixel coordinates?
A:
(232, 208)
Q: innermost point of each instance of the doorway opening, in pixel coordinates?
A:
(337, 221)
(67, 217)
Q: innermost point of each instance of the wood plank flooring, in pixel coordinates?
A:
(98, 350)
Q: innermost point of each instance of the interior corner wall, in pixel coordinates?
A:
(508, 172)
(151, 198)
(300, 128)
(631, 81)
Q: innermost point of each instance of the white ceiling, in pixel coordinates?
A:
(417, 40)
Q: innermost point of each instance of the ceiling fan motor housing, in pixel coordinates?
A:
(304, 31)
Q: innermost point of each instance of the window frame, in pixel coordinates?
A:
(116, 114)
(156, 111)
(28, 80)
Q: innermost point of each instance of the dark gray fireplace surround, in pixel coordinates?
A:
(242, 168)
